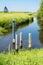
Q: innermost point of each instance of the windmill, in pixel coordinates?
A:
(5, 9)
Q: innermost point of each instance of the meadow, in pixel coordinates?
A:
(19, 18)
(24, 57)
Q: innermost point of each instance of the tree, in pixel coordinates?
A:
(40, 11)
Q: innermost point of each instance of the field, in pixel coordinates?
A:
(29, 57)
(6, 19)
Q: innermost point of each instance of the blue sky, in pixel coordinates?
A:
(20, 5)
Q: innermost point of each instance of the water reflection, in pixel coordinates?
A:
(23, 25)
(40, 24)
(41, 35)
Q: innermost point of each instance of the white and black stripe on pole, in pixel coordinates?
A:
(13, 33)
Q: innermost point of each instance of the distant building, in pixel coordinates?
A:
(5, 9)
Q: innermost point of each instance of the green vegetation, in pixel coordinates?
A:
(2, 31)
(24, 57)
(40, 11)
(19, 17)
(40, 21)
(41, 36)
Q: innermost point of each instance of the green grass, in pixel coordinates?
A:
(3, 31)
(29, 57)
(19, 17)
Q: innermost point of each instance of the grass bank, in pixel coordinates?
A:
(19, 17)
(32, 57)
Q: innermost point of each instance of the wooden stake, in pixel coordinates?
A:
(16, 47)
(21, 40)
(29, 41)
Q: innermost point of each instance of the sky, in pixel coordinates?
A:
(20, 5)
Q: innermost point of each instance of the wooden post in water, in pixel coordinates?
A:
(13, 33)
(21, 40)
(29, 41)
(13, 43)
(16, 45)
